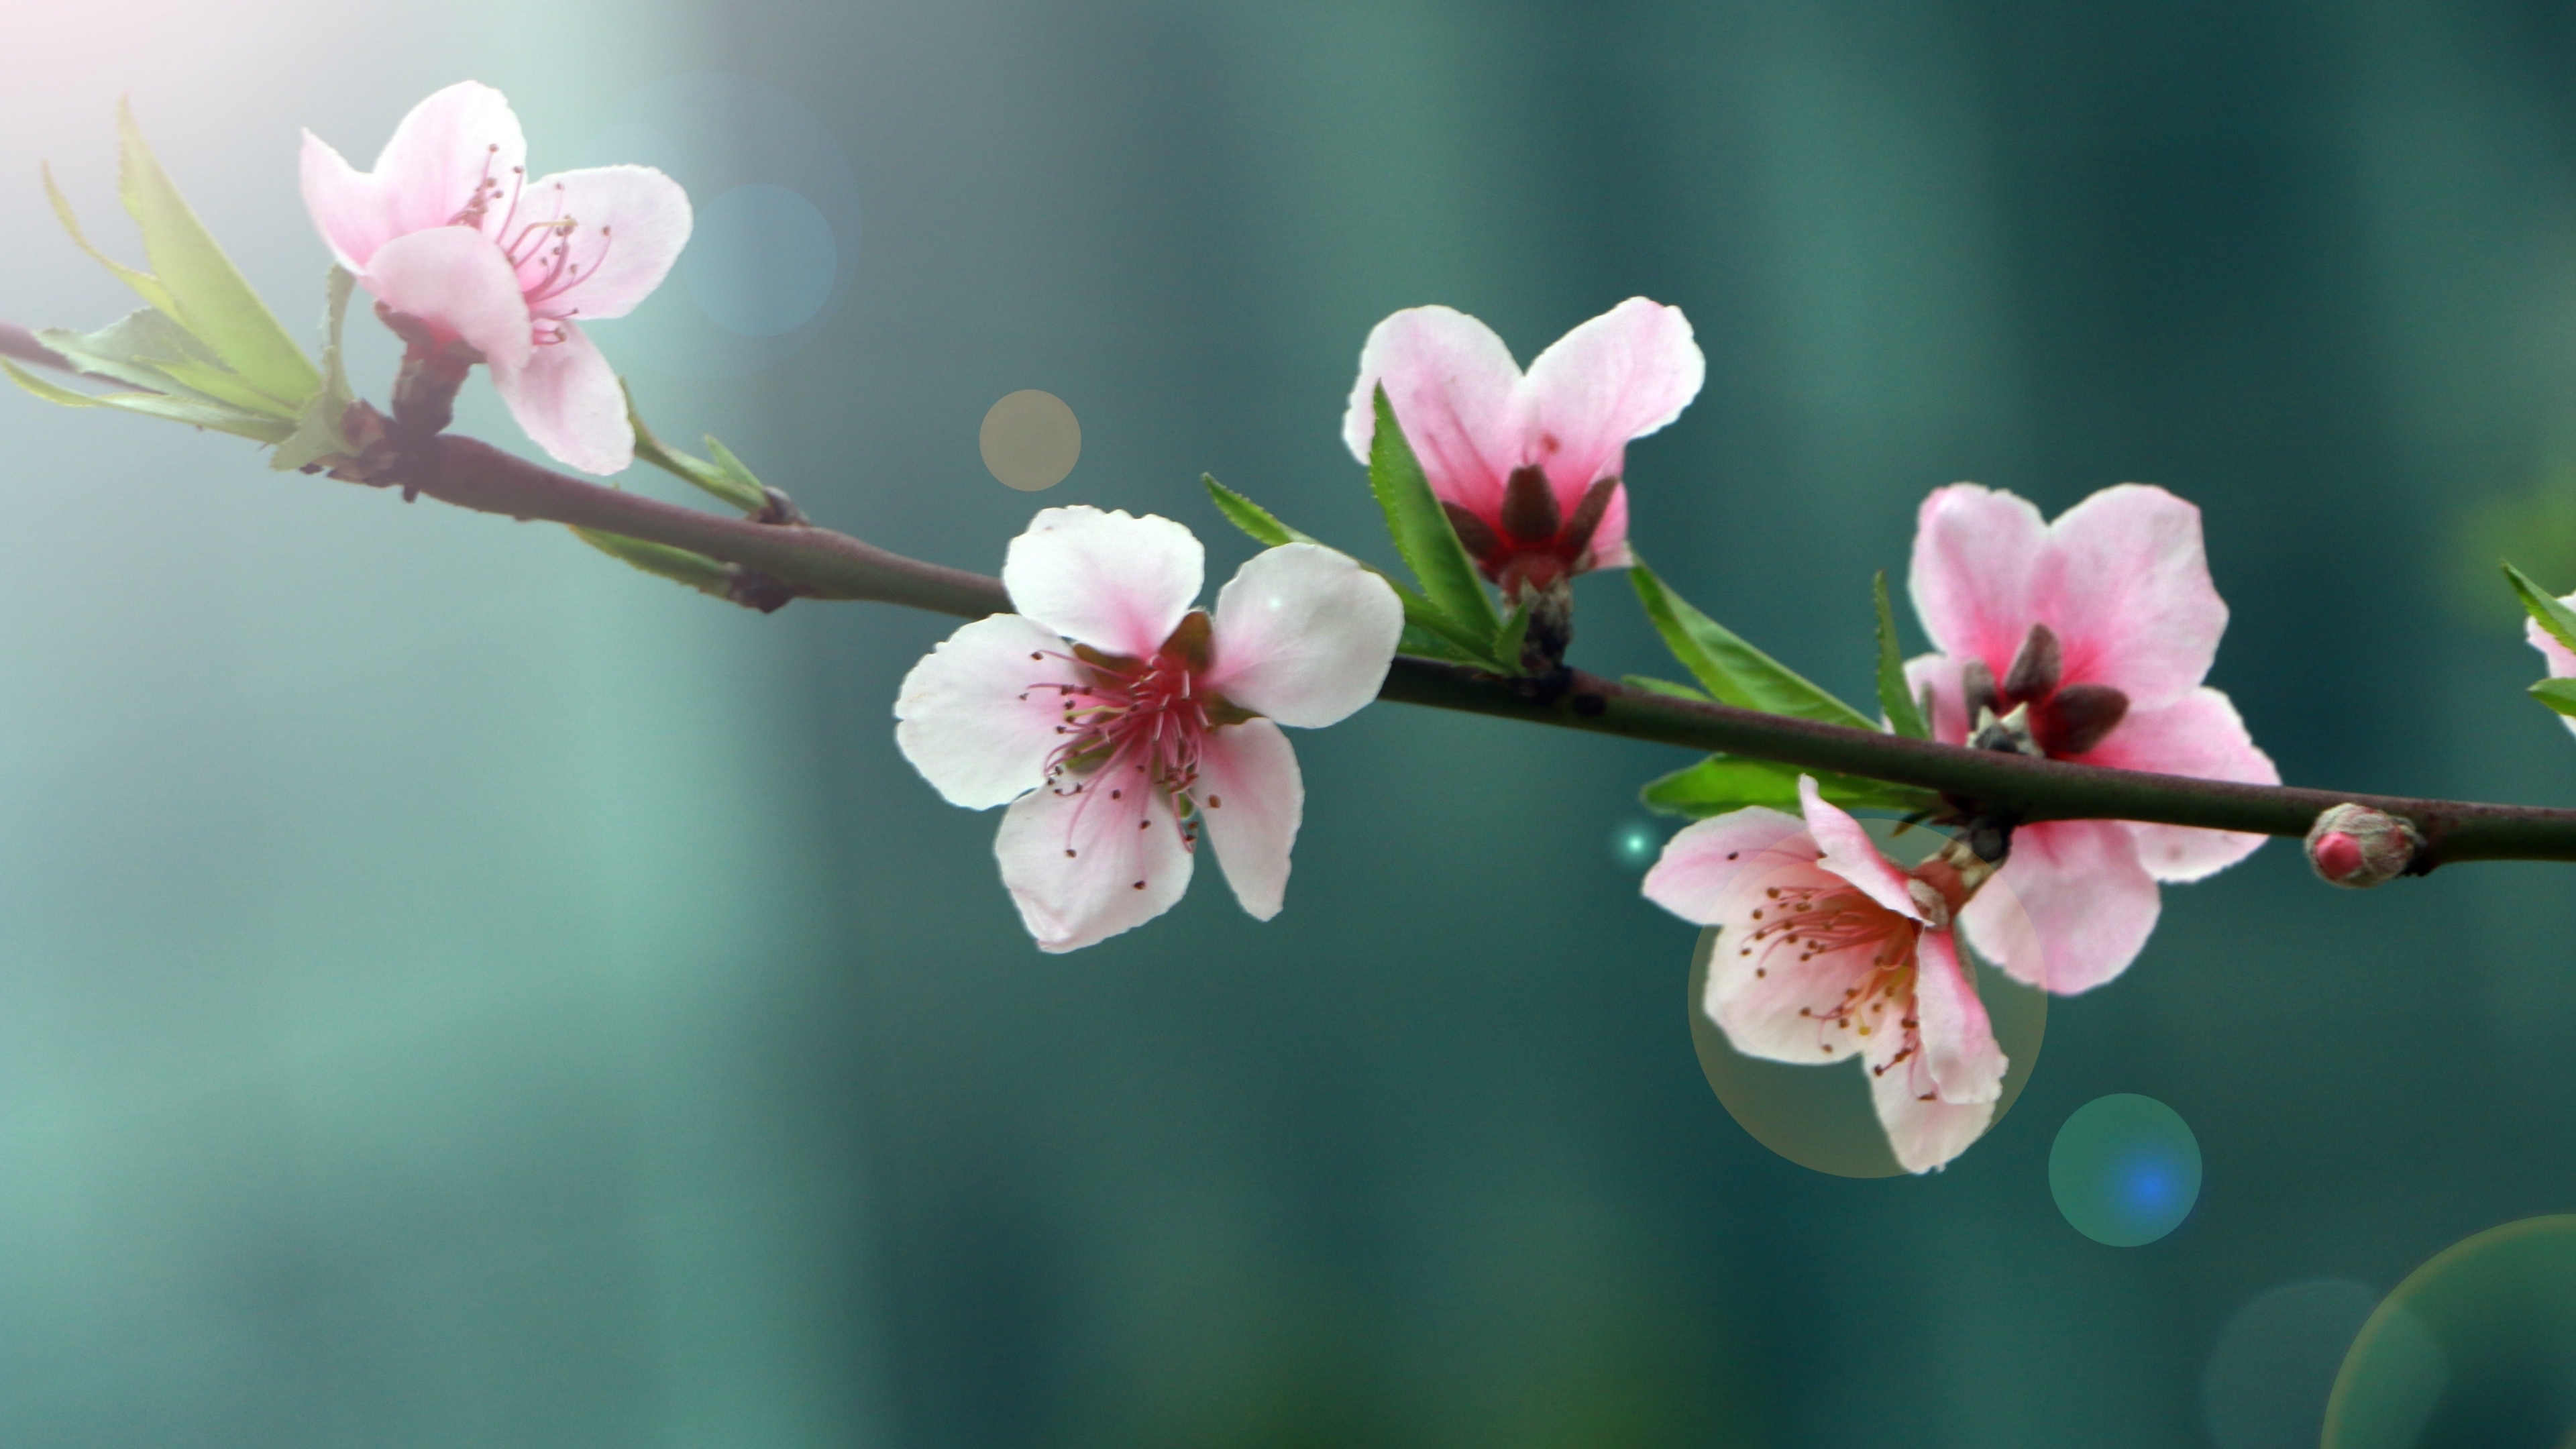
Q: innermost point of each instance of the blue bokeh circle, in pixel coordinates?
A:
(2125, 1170)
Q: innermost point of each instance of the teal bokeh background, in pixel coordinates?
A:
(454, 990)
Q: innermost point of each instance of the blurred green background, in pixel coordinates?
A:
(456, 991)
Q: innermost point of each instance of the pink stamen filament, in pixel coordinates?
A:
(1824, 921)
(1130, 718)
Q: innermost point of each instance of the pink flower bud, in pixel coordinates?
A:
(2356, 846)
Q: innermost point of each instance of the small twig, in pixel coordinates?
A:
(819, 563)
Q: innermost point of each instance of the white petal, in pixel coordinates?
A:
(1083, 866)
(1116, 583)
(1958, 1039)
(1712, 872)
(1850, 853)
(978, 716)
(567, 398)
(459, 283)
(2070, 909)
(1924, 1131)
(1252, 798)
(1303, 635)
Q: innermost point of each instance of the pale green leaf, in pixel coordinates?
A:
(1255, 520)
(679, 565)
(1652, 685)
(192, 411)
(1903, 713)
(207, 290)
(145, 285)
(1731, 669)
(733, 486)
(1515, 632)
(319, 432)
(2558, 694)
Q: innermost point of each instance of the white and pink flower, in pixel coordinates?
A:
(2087, 638)
(448, 230)
(1827, 950)
(1118, 723)
(1528, 465)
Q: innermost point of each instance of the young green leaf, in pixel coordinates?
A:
(145, 285)
(1902, 712)
(1732, 782)
(2554, 616)
(725, 479)
(212, 299)
(679, 565)
(1515, 632)
(1732, 670)
(319, 433)
(140, 349)
(1653, 685)
(1422, 532)
(195, 412)
(1255, 520)
(2558, 694)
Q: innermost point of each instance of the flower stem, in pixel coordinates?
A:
(819, 563)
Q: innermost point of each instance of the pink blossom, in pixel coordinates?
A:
(2561, 661)
(2088, 637)
(1118, 723)
(1828, 950)
(1528, 466)
(448, 229)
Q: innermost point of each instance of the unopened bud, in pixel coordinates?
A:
(2356, 846)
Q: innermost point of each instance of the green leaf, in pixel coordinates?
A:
(139, 349)
(2554, 616)
(318, 427)
(207, 290)
(1732, 782)
(679, 565)
(1653, 685)
(2558, 694)
(1263, 526)
(195, 412)
(1730, 669)
(1902, 711)
(1420, 641)
(145, 285)
(1422, 533)
(725, 478)
(1515, 632)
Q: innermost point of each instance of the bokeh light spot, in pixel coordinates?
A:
(2125, 1170)
(1030, 440)
(2476, 1348)
(1634, 844)
(761, 261)
(2274, 1363)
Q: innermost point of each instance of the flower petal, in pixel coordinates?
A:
(2199, 735)
(1850, 853)
(1924, 1131)
(630, 224)
(455, 140)
(977, 717)
(1610, 540)
(1083, 867)
(567, 398)
(1116, 583)
(1975, 550)
(2126, 587)
(1948, 716)
(1456, 394)
(459, 283)
(1252, 798)
(348, 206)
(1711, 872)
(2070, 909)
(1619, 376)
(2561, 662)
(1958, 1040)
(1303, 635)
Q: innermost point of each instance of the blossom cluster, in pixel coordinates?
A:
(1119, 726)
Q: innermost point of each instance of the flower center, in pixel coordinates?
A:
(550, 257)
(2063, 720)
(1136, 726)
(1530, 542)
(1813, 921)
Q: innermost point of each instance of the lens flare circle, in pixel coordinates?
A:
(2125, 1170)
